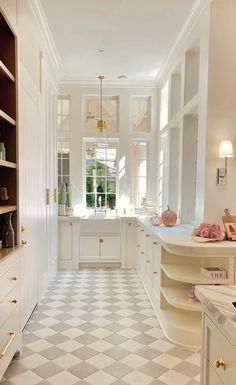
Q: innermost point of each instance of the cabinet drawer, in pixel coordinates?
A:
(9, 280)
(9, 304)
(10, 340)
(219, 349)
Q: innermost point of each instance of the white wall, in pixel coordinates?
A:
(125, 135)
(221, 124)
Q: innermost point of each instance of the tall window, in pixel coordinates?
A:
(101, 176)
(63, 162)
(139, 173)
(63, 114)
(110, 112)
(164, 105)
(141, 113)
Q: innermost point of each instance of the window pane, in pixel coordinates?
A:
(90, 153)
(89, 184)
(101, 185)
(111, 169)
(59, 166)
(101, 200)
(111, 201)
(65, 106)
(101, 168)
(65, 179)
(90, 167)
(90, 200)
(65, 166)
(111, 185)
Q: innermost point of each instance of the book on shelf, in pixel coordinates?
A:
(214, 272)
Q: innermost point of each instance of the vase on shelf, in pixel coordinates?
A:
(2, 151)
(8, 236)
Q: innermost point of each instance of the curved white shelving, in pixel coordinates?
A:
(177, 296)
(189, 274)
(181, 327)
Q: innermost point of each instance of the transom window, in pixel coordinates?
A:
(139, 173)
(63, 114)
(101, 176)
(110, 112)
(63, 162)
(141, 113)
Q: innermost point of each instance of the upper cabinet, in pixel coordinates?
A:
(8, 129)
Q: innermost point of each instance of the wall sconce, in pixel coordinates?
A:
(225, 151)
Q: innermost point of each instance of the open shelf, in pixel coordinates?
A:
(5, 252)
(190, 274)
(177, 296)
(6, 118)
(5, 163)
(4, 71)
(7, 209)
(181, 326)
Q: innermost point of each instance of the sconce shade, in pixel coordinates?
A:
(226, 149)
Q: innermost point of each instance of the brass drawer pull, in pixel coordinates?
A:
(24, 242)
(142, 252)
(12, 336)
(13, 278)
(155, 272)
(220, 363)
(155, 243)
(147, 261)
(147, 235)
(14, 301)
(142, 230)
(138, 245)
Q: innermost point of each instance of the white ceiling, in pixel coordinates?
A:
(136, 36)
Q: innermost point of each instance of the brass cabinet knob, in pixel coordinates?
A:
(14, 278)
(22, 228)
(147, 235)
(220, 363)
(14, 301)
(24, 242)
(138, 245)
(129, 223)
(155, 243)
(142, 230)
(142, 252)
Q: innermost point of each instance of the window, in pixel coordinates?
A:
(63, 114)
(163, 172)
(101, 176)
(110, 112)
(141, 113)
(139, 173)
(164, 105)
(63, 162)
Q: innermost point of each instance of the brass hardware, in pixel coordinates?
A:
(12, 336)
(47, 196)
(101, 240)
(55, 195)
(142, 230)
(14, 301)
(147, 235)
(147, 261)
(129, 223)
(142, 252)
(24, 242)
(155, 243)
(138, 245)
(155, 272)
(13, 278)
(70, 223)
(22, 228)
(220, 363)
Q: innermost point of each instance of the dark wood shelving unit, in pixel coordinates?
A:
(8, 125)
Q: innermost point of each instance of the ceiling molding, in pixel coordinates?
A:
(46, 34)
(185, 32)
(107, 84)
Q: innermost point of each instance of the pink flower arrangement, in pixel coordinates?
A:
(207, 230)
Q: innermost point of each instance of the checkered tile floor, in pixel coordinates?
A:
(97, 327)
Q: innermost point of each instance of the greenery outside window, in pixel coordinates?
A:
(101, 176)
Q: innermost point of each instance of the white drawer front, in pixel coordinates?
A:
(10, 340)
(219, 350)
(9, 304)
(9, 280)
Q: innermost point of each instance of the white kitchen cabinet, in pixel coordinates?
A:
(128, 244)
(219, 355)
(99, 248)
(68, 244)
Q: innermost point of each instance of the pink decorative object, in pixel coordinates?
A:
(155, 220)
(169, 217)
(208, 232)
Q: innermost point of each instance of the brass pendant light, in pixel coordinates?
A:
(102, 140)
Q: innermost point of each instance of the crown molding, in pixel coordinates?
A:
(107, 84)
(48, 41)
(184, 34)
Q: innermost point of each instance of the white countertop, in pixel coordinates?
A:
(217, 301)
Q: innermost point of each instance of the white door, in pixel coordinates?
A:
(66, 243)
(110, 247)
(89, 247)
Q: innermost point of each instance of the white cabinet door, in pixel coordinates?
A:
(131, 245)
(89, 247)
(66, 241)
(110, 247)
